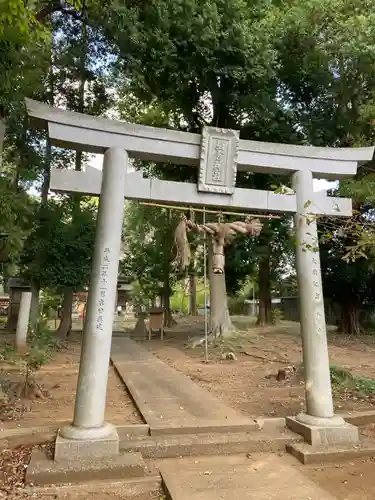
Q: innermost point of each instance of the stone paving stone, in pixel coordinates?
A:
(168, 400)
(238, 478)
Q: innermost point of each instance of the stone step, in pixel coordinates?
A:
(208, 444)
(42, 470)
(203, 427)
(308, 454)
(262, 477)
(170, 402)
(131, 489)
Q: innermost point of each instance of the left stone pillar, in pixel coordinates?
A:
(90, 436)
(23, 321)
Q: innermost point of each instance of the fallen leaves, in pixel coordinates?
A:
(13, 465)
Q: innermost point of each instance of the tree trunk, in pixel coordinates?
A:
(46, 174)
(65, 325)
(193, 311)
(169, 321)
(350, 322)
(166, 300)
(220, 321)
(35, 289)
(166, 293)
(265, 302)
(2, 137)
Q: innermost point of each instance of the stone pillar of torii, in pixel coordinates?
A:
(218, 154)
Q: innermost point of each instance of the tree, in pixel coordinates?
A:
(326, 68)
(150, 251)
(24, 46)
(195, 75)
(79, 82)
(65, 239)
(229, 70)
(73, 79)
(217, 234)
(349, 285)
(326, 72)
(291, 72)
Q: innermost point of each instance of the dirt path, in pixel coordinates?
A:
(59, 379)
(249, 384)
(346, 481)
(246, 385)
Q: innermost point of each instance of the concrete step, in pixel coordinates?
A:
(266, 477)
(308, 454)
(42, 470)
(170, 402)
(208, 444)
(131, 489)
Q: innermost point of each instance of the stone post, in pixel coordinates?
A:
(23, 321)
(313, 326)
(88, 423)
(318, 425)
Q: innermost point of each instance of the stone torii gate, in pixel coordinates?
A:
(219, 154)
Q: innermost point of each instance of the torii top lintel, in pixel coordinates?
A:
(95, 135)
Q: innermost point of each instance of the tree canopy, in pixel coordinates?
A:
(294, 72)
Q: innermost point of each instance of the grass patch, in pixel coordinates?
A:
(344, 381)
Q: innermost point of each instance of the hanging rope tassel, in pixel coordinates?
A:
(183, 255)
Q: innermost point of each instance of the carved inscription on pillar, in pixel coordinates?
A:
(103, 289)
(218, 162)
(319, 319)
(316, 279)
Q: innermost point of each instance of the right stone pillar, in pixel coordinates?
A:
(319, 416)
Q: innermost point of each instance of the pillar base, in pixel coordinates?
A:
(77, 443)
(334, 421)
(323, 431)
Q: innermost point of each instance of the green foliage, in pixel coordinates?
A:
(325, 48)
(49, 301)
(24, 45)
(150, 246)
(180, 297)
(21, 17)
(178, 51)
(41, 345)
(295, 72)
(17, 210)
(15, 13)
(7, 352)
(237, 306)
(348, 273)
(80, 77)
(344, 381)
(63, 239)
(138, 295)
